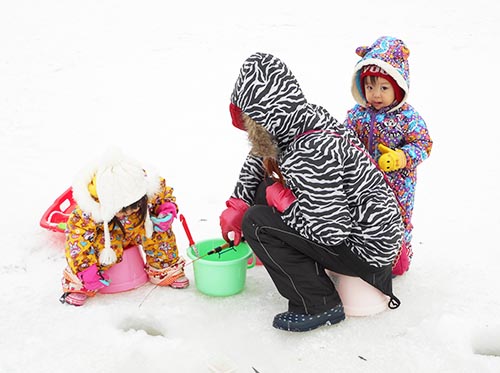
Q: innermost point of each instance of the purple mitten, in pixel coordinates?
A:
(93, 279)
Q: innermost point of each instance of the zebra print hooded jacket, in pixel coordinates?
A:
(341, 195)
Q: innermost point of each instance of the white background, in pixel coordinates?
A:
(155, 77)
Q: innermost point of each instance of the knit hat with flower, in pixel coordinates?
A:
(391, 56)
(108, 185)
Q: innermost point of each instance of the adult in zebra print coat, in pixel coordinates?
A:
(308, 198)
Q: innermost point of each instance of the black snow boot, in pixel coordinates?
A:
(303, 322)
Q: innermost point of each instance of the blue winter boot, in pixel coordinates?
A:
(303, 322)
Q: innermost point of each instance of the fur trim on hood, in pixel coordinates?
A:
(261, 141)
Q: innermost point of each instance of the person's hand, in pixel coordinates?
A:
(391, 160)
(231, 217)
(93, 279)
(165, 215)
(279, 197)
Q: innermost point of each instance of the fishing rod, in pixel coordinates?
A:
(189, 236)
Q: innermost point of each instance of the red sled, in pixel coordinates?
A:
(56, 216)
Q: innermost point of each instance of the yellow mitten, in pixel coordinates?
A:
(391, 160)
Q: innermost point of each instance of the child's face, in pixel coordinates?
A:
(379, 92)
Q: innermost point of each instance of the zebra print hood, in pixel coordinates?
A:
(268, 92)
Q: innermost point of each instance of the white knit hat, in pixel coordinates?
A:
(119, 182)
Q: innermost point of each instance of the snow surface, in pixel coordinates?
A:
(155, 78)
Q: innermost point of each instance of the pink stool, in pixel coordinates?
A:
(359, 298)
(128, 274)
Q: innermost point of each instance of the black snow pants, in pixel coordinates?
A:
(297, 265)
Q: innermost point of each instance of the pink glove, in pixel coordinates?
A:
(279, 197)
(165, 215)
(93, 279)
(230, 219)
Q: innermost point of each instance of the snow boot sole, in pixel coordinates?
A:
(303, 322)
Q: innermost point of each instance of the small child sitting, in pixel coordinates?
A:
(119, 205)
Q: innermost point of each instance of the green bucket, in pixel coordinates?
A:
(221, 274)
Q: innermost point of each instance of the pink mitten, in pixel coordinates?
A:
(230, 219)
(93, 279)
(165, 215)
(279, 197)
(166, 208)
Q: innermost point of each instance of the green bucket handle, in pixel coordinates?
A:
(254, 260)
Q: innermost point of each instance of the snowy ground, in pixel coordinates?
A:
(155, 78)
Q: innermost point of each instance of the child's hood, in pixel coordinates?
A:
(389, 53)
(268, 92)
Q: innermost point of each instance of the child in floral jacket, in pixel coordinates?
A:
(392, 131)
(119, 206)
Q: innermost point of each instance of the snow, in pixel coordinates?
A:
(155, 78)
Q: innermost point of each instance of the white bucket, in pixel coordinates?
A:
(359, 298)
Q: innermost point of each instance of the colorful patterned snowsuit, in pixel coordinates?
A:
(403, 129)
(399, 126)
(85, 238)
